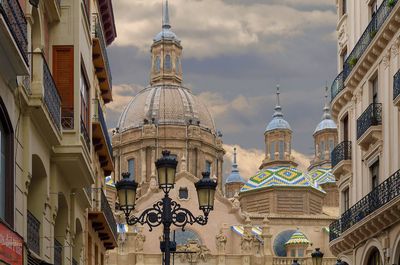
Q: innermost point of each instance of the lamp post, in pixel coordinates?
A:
(317, 256)
(166, 211)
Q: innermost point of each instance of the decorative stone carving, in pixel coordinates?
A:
(246, 241)
(195, 252)
(395, 48)
(140, 239)
(386, 59)
(236, 202)
(220, 241)
(342, 36)
(153, 184)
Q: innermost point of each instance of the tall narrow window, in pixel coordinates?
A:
(374, 84)
(272, 151)
(168, 63)
(208, 166)
(177, 65)
(374, 169)
(281, 150)
(346, 199)
(157, 64)
(345, 123)
(331, 145)
(84, 88)
(131, 168)
(6, 167)
(322, 149)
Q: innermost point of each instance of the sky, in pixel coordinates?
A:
(235, 53)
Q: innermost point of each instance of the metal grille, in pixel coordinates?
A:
(58, 248)
(100, 118)
(15, 19)
(106, 209)
(52, 99)
(365, 40)
(396, 85)
(341, 152)
(378, 197)
(372, 116)
(33, 226)
(99, 34)
(67, 118)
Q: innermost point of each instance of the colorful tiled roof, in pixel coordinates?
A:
(322, 175)
(255, 230)
(109, 181)
(280, 177)
(298, 238)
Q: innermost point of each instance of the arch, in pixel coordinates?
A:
(346, 260)
(60, 228)
(396, 250)
(279, 242)
(372, 247)
(182, 237)
(37, 191)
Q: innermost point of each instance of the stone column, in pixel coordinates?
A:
(267, 237)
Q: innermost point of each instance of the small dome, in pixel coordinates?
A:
(166, 104)
(322, 175)
(235, 177)
(280, 177)
(278, 124)
(298, 238)
(325, 124)
(166, 34)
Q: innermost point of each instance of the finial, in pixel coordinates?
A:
(278, 109)
(327, 112)
(165, 22)
(234, 155)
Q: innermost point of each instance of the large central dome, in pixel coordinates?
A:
(166, 104)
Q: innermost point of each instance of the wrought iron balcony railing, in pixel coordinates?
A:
(99, 34)
(365, 40)
(15, 19)
(341, 152)
(33, 228)
(58, 248)
(396, 85)
(85, 134)
(52, 98)
(100, 118)
(372, 116)
(378, 197)
(67, 118)
(106, 209)
(337, 85)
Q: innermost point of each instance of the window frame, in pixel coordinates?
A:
(132, 173)
(85, 117)
(10, 167)
(183, 189)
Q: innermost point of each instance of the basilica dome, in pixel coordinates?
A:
(166, 104)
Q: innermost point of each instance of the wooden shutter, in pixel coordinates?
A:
(63, 73)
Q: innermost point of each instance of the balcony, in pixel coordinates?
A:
(102, 219)
(341, 158)
(101, 62)
(53, 8)
(33, 237)
(396, 89)
(372, 42)
(369, 126)
(101, 140)
(44, 100)
(13, 39)
(374, 213)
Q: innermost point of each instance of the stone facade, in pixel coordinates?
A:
(365, 105)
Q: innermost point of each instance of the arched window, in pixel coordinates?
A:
(6, 167)
(281, 150)
(157, 64)
(168, 63)
(374, 257)
(322, 149)
(131, 168)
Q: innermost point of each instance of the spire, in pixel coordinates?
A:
(234, 164)
(278, 108)
(165, 22)
(327, 111)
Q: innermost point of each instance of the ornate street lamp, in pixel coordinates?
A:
(166, 212)
(317, 257)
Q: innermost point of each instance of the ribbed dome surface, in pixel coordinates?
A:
(167, 104)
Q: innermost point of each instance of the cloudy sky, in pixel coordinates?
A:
(235, 52)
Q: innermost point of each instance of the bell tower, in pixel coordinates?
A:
(166, 53)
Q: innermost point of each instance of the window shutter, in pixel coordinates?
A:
(63, 73)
